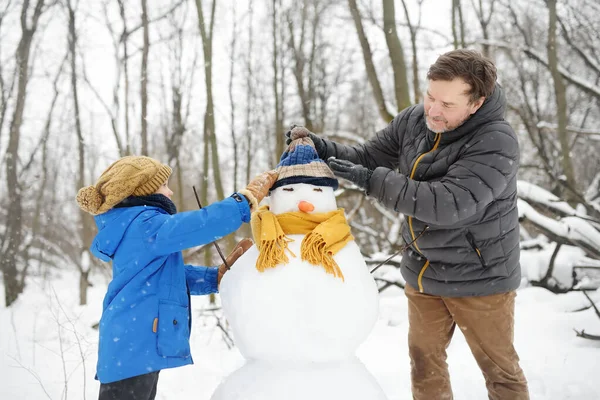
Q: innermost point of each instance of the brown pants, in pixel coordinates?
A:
(487, 323)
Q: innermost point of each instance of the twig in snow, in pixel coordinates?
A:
(78, 344)
(593, 304)
(12, 323)
(37, 378)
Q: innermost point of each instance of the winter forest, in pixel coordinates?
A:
(210, 88)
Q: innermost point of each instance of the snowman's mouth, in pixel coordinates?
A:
(306, 207)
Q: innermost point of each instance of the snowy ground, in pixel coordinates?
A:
(48, 348)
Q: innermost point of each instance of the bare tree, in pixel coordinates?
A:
(396, 53)
(484, 18)
(86, 223)
(13, 236)
(6, 87)
(369, 65)
(303, 63)
(250, 93)
(278, 83)
(175, 124)
(144, 77)
(233, 57)
(206, 31)
(561, 99)
(458, 25)
(414, 29)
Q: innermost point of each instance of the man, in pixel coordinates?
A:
(450, 165)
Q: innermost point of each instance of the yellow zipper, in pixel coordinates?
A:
(438, 137)
(419, 280)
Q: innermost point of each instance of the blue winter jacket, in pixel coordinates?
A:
(146, 319)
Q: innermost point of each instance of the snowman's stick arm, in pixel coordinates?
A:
(215, 243)
(402, 249)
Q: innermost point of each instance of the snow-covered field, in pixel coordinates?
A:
(48, 348)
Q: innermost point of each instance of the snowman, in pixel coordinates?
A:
(301, 300)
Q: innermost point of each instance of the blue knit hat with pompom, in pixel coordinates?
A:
(300, 163)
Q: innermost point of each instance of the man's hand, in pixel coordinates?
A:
(320, 145)
(236, 253)
(354, 173)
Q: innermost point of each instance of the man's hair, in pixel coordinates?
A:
(469, 65)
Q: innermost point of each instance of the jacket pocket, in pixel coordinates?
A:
(471, 240)
(173, 331)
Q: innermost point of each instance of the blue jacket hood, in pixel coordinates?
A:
(112, 226)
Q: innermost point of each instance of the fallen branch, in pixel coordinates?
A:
(584, 335)
(388, 284)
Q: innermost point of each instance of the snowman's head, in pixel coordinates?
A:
(302, 197)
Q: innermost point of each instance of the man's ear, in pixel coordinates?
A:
(477, 105)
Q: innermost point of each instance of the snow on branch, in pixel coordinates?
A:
(571, 230)
(587, 86)
(346, 135)
(530, 192)
(590, 132)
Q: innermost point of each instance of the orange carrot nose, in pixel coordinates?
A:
(305, 206)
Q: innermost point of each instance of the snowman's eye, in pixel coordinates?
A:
(288, 189)
(318, 190)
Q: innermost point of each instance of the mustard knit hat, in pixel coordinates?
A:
(128, 176)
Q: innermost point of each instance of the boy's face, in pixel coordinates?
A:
(164, 190)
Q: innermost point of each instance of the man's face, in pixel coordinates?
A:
(447, 105)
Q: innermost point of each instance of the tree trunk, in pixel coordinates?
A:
(279, 129)
(14, 234)
(209, 115)
(124, 42)
(300, 64)
(484, 22)
(561, 103)
(414, 30)
(368, 59)
(86, 222)
(249, 95)
(233, 57)
(144, 77)
(458, 28)
(396, 52)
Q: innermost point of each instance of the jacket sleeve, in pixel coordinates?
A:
(201, 280)
(478, 177)
(380, 151)
(166, 234)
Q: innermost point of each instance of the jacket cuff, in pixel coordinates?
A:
(376, 182)
(211, 276)
(244, 205)
(251, 199)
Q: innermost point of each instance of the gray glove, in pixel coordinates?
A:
(354, 173)
(320, 145)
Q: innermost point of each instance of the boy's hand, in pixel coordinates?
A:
(242, 246)
(259, 187)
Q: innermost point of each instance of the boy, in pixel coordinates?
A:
(146, 319)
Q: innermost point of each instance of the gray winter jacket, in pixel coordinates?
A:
(461, 184)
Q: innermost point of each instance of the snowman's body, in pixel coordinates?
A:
(306, 313)
(297, 321)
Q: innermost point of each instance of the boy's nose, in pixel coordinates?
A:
(305, 206)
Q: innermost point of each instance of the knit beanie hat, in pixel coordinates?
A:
(128, 176)
(300, 163)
